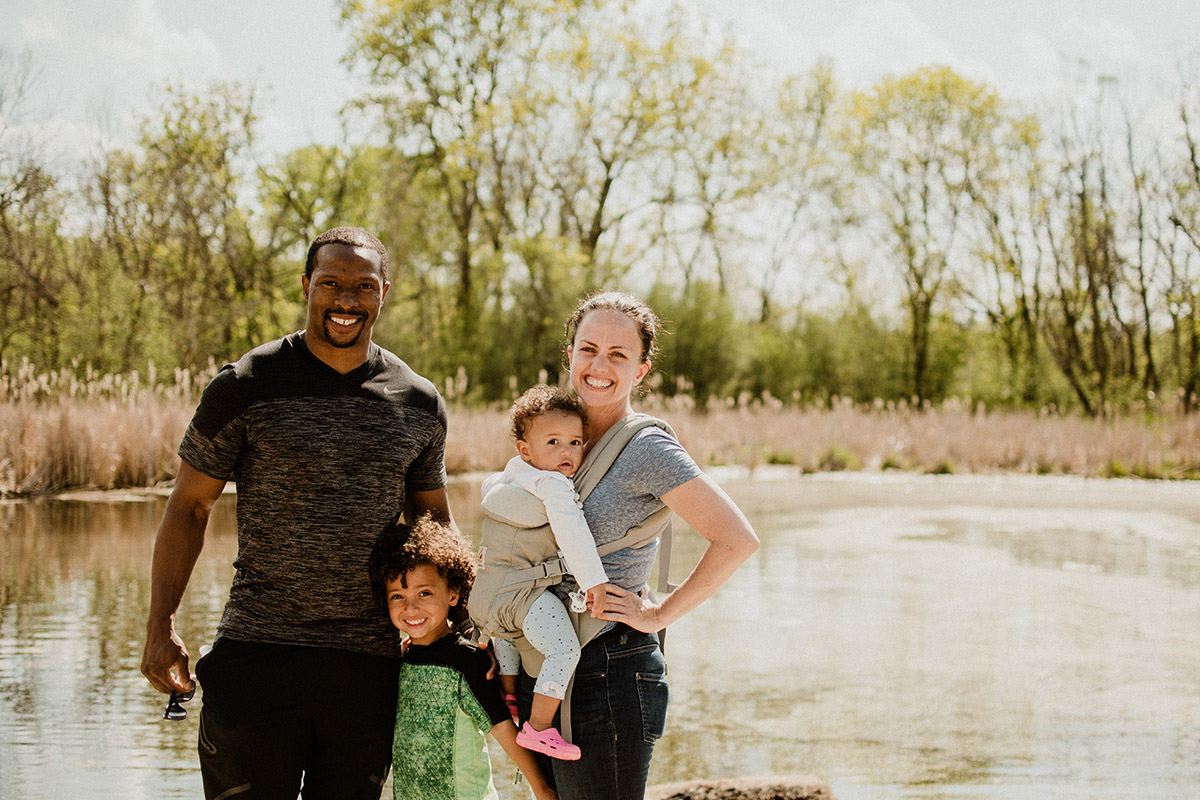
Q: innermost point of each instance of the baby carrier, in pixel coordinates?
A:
(512, 508)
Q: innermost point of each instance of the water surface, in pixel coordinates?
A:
(899, 636)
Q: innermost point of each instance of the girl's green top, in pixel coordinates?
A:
(446, 708)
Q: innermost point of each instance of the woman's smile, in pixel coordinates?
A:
(606, 362)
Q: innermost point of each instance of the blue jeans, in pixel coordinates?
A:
(618, 712)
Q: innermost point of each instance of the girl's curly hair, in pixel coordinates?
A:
(402, 547)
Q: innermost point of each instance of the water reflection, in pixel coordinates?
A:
(899, 637)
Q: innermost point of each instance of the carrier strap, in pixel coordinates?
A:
(656, 526)
(557, 567)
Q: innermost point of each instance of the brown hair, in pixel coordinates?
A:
(402, 547)
(647, 322)
(538, 400)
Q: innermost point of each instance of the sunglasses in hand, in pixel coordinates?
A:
(175, 709)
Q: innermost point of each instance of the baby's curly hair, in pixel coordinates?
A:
(538, 400)
(402, 547)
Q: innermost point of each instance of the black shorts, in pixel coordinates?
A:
(280, 721)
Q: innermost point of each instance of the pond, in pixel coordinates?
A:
(899, 636)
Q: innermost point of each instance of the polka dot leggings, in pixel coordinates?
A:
(548, 628)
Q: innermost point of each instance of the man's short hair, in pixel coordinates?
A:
(354, 237)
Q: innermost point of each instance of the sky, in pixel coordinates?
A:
(98, 64)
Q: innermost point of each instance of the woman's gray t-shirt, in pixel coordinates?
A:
(652, 464)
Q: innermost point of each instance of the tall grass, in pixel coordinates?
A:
(60, 431)
(65, 430)
(955, 436)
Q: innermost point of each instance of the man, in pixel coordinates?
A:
(328, 437)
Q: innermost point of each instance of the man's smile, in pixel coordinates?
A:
(345, 320)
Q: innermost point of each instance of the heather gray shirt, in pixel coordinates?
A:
(652, 464)
(322, 462)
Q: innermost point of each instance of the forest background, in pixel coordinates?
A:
(923, 247)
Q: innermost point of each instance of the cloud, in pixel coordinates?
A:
(116, 34)
(109, 54)
(1102, 40)
(773, 33)
(889, 38)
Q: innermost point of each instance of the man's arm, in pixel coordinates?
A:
(176, 548)
(433, 501)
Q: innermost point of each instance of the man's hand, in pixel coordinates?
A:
(176, 548)
(165, 663)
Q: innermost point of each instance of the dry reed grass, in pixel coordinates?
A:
(60, 432)
(954, 437)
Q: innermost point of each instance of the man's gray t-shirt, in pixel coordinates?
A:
(322, 461)
(652, 464)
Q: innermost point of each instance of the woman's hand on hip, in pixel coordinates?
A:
(633, 609)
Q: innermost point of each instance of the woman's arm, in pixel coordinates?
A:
(705, 506)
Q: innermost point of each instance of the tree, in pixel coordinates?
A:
(915, 141)
(33, 254)
(1009, 197)
(805, 198)
(1180, 246)
(174, 222)
(1090, 322)
(546, 130)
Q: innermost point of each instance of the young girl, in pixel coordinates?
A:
(446, 704)
(512, 597)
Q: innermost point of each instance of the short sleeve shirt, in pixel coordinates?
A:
(445, 708)
(652, 464)
(322, 462)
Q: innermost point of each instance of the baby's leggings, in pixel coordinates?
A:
(548, 628)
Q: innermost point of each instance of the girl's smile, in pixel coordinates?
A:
(419, 604)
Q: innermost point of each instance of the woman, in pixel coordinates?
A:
(619, 700)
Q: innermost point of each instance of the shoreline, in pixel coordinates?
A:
(724, 475)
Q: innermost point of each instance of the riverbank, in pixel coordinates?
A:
(774, 788)
(70, 443)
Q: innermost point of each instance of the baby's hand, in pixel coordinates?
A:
(597, 596)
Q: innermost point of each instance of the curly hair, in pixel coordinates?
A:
(402, 547)
(538, 400)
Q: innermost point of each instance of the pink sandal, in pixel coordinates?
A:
(510, 700)
(548, 742)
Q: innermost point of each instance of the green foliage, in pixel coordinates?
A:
(701, 355)
(852, 355)
(177, 250)
(839, 459)
(515, 155)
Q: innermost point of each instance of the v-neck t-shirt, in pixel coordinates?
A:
(322, 462)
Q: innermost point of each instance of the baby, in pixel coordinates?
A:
(512, 594)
